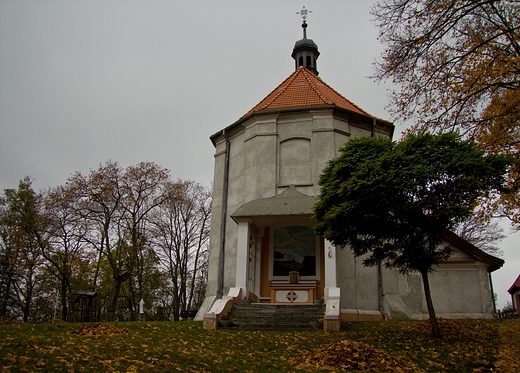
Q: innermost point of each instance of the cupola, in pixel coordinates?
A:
(305, 51)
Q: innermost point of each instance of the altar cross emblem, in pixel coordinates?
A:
(291, 296)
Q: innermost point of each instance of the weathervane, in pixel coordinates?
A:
(304, 13)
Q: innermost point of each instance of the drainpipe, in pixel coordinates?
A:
(380, 288)
(492, 294)
(221, 262)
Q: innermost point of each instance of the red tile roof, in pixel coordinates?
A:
(516, 285)
(304, 89)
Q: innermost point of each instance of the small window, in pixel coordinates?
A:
(309, 61)
(300, 61)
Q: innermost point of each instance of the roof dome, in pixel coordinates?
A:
(305, 43)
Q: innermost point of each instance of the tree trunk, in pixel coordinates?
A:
(64, 307)
(436, 331)
(26, 309)
(5, 298)
(98, 268)
(114, 295)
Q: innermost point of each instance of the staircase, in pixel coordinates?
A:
(275, 316)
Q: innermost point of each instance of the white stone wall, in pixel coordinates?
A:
(358, 284)
(459, 290)
(462, 289)
(268, 153)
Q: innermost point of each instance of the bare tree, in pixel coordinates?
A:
(143, 188)
(101, 205)
(181, 232)
(484, 235)
(66, 232)
(117, 203)
(127, 233)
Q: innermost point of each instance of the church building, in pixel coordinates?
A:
(262, 246)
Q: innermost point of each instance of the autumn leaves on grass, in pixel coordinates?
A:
(100, 329)
(353, 355)
(461, 338)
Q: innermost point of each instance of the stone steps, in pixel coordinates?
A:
(275, 316)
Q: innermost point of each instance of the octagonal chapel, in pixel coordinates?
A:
(262, 247)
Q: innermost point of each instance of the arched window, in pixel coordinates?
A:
(308, 61)
(300, 61)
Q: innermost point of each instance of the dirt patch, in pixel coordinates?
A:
(100, 329)
(56, 321)
(8, 321)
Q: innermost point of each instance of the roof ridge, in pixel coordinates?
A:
(346, 99)
(306, 73)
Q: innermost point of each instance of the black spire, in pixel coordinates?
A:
(305, 51)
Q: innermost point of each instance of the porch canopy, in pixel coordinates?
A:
(289, 202)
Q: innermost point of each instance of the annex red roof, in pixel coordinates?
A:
(304, 89)
(493, 262)
(516, 285)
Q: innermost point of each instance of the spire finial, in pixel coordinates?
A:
(304, 13)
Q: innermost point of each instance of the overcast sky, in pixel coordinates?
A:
(83, 82)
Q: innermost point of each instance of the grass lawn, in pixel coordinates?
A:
(467, 346)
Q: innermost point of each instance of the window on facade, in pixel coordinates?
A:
(300, 61)
(309, 61)
(294, 250)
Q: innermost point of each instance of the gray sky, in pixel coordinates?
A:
(82, 82)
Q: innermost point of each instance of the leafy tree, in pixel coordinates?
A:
(457, 66)
(8, 275)
(393, 201)
(26, 237)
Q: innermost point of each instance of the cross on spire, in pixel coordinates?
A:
(304, 13)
